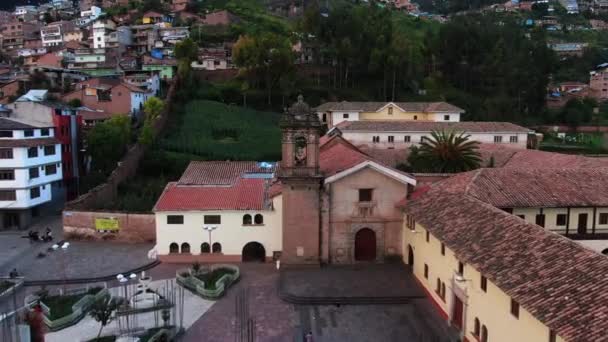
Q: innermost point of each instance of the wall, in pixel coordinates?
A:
(366, 138)
(551, 218)
(134, 228)
(345, 221)
(491, 307)
(231, 233)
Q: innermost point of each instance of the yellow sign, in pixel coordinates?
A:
(106, 224)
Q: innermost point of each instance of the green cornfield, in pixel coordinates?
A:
(216, 131)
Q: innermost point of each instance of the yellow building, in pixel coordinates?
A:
(497, 277)
(332, 113)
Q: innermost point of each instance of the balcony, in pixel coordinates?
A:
(365, 209)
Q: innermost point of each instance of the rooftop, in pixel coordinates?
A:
(425, 107)
(558, 281)
(428, 126)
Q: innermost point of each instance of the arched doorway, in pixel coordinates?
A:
(410, 256)
(365, 245)
(254, 251)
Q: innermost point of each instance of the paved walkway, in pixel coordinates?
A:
(364, 280)
(82, 259)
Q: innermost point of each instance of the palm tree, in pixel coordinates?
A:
(445, 152)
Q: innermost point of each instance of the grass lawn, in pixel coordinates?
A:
(5, 285)
(61, 306)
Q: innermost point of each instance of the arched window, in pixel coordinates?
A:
(173, 248)
(476, 328)
(246, 219)
(205, 248)
(185, 247)
(217, 247)
(484, 334)
(258, 219)
(605, 251)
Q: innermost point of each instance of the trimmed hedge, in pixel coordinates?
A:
(193, 283)
(79, 310)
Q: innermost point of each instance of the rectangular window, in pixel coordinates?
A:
(7, 174)
(34, 192)
(483, 283)
(8, 195)
(49, 150)
(446, 118)
(375, 139)
(6, 134)
(50, 169)
(390, 110)
(212, 219)
(560, 220)
(422, 139)
(460, 268)
(442, 249)
(175, 219)
(391, 139)
(513, 139)
(345, 116)
(34, 173)
(514, 308)
(28, 133)
(603, 218)
(426, 271)
(407, 139)
(6, 153)
(44, 132)
(540, 220)
(32, 152)
(497, 139)
(552, 336)
(428, 236)
(365, 195)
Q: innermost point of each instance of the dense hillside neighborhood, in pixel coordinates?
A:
(280, 170)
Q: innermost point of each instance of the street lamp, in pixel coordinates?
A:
(124, 280)
(210, 229)
(64, 247)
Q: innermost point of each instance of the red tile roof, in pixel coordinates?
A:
(521, 158)
(424, 107)
(220, 172)
(533, 188)
(561, 283)
(245, 194)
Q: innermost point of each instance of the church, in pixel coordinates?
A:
(325, 202)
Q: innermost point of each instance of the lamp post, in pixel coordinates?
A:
(124, 280)
(210, 229)
(64, 248)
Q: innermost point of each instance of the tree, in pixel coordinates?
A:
(187, 49)
(102, 311)
(445, 152)
(152, 108)
(108, 141)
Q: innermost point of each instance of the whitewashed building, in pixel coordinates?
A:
(30, 170)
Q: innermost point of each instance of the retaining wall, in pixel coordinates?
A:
(132, 228)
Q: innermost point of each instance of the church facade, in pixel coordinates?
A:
(325, 202)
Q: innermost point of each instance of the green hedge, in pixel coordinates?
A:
(78, 310)
(193, 283)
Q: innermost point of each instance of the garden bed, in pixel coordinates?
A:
(9, 286)
(211, 283)
(5, 285)
(62, 311)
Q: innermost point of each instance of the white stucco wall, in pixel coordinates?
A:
(366, 138)
(231, 233)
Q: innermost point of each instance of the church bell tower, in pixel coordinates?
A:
(302, 181)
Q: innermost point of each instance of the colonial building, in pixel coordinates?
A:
(326, 202)
(498, 277)
(333, 113)
(389, 134)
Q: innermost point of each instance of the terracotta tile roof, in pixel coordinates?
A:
(533, 188)
(558, 281)
(7, 124)
(245, 194)
(28, 142)
(422, 107)
(521, 158)
(427, 126)
(220, 172)
(336, 155)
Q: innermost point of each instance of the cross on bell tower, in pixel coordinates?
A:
(302, 181)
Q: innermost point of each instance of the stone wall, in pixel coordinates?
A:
(133, 228)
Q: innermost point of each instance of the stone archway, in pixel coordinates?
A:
(365, 245)
(253, 251)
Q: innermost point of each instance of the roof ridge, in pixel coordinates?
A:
(472, 181)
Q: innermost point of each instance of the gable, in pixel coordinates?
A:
(386, 171)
